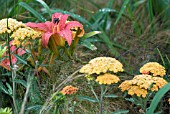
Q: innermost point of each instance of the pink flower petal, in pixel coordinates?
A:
(45, 38)
(73, 24)
(41, 26)
(14, 59)
(62, 19)
(67, 35)
(20, 52)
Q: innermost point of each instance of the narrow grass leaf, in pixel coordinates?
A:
(121, 11)
(45, 6)
(121, 111)
(20, 59)
(75, 16)
(90, 34)
(88, 45)
(22, 82)
(157, 98)
(86, 98)
(34, 12)
(111, 96)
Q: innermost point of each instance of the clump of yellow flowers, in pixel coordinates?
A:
(154, 68)
(107, 79)
(26, 33)
(103, 67)
(13, 25)
(142, 84)
(18, 31)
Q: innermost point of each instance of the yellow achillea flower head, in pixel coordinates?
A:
(13, 24)
(169, 100)
(158, 83)
(143, 84)
(69, 90)
(102, 65)
(26, 33)
(153, 67)
(107, 79)
(138, 91)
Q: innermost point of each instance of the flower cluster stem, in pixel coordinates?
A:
(14, 90)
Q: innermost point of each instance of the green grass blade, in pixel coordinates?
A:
(161, 57)
(45, 6)
(20, 59)
(86, 98)
(121, 111)
(151, 16)
(157, 98)
(106, 39)
(75, 16)
(35, 13)
(90, 34)
(88, 45)
(122, 11)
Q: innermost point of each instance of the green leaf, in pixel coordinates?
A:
(86, 98)
(45, 6)
(88, 45)
(35, 107)
(35, 13)
(130, 99)
(121, 111)
(157, 98)
(22, 82)
(9, 89)
(121, 11)
(111, 96)
(3, 88)
(90, 34)
(20, 59)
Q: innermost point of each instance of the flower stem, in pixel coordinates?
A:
(14, 89)
(101, 99)
(94, 93)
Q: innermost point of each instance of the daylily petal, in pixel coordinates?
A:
(41, 26)
(62, 19)
(72, 24)
(20, 52)
(45, 38)
(67, 35)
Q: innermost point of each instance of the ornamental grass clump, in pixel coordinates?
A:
(153, 68)
(102, 71)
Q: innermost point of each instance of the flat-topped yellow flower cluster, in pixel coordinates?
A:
(26, 33)
(18, 31)
(107, 79)
(101, 66)
(141, 84)
(154, 68)
(13, 25)
(148, 81)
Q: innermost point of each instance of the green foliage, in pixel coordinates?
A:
(6, 110)
(157, 98)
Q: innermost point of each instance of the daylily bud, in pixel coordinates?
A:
(59, 41)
